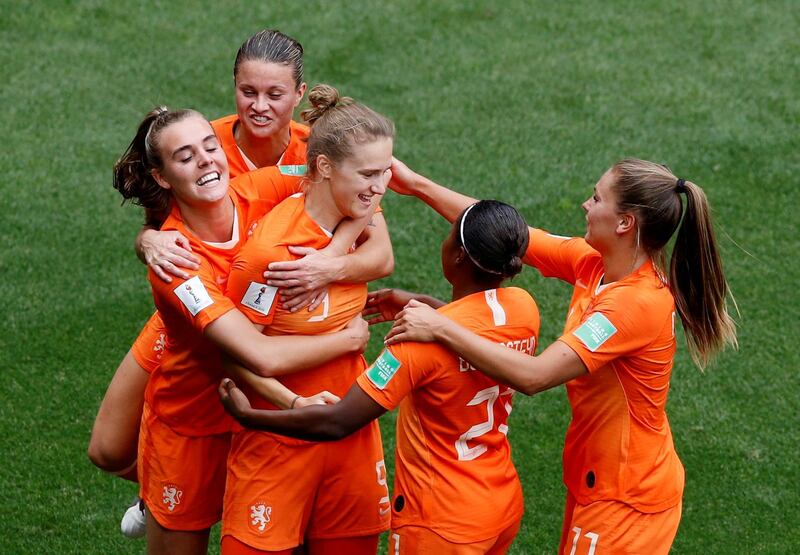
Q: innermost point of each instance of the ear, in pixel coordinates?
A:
(324, 166)
(301, 91)
(626, 223)
(461, 255)
(163, 183)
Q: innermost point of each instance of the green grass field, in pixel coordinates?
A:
(526, 102)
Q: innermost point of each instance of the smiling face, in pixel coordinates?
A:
(194, 165)
(602, 214)
(266, 96)
(359, 180)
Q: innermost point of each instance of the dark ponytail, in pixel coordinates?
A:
(494, 236)
(133, 172)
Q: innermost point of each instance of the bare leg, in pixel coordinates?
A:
(161, 541)
(115, 434)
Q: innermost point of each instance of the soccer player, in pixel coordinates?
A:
(456, 489)
(268, 77)
(282, 493)
(175, 159)
(624, 479)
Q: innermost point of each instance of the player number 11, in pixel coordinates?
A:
(591, 535)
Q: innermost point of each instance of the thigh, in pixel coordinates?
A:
(352, 499)
(232, 546)
(270, 489)
(113, 446)
(182, 478)
(363, 545)
(161, 541)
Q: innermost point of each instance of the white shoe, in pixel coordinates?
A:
(133, 521)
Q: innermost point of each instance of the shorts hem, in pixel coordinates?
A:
(351, 533)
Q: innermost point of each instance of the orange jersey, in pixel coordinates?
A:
(294, 155)
(454, 472)
(183, 390)
(619, 444)
(289, 224)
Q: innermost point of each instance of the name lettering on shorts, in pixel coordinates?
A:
(595, 331)
(383, 369)
(193, 295)
(299, 169)
(259, 297)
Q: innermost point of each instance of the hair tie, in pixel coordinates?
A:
(464, 243)
(680, 185)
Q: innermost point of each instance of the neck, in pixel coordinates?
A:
(622, 263)
(262, 151)
(213, 223)
(461, 290)
(321, 207)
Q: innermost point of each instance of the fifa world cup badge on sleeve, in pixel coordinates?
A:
(193, 295)
(595, 331)
(383, 369)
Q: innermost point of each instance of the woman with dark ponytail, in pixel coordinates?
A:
(456, 489)
(175, 160)
(623, 476)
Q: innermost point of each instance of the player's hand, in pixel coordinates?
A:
(403, 178)
(233, 399)
(304, 282)
(167, 252)
(321, 398)
(357, 332)
(383, 305)
(416, 322)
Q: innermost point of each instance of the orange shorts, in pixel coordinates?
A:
(182, 478)
(411, 540)
(613, 527)
(282, 491)
(149, 346)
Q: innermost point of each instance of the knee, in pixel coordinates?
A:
(110, 459)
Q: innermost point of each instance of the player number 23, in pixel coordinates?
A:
(489, 396)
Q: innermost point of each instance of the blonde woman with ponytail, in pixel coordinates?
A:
(624, 479)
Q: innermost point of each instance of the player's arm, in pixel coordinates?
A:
(165, 252)
(277, 355)
(312, 423)
(301, 281)
(525, 373)
(446, 202)
(274, 391)
(383, 305)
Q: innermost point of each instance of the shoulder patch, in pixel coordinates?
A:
(383, 369)
(259, 297)
(193, 295)
(297, 170)
(595, 331)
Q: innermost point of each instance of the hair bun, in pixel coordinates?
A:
(513, 266)
(323, 98)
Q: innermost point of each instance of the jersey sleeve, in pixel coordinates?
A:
(556, 256)
(396, 372)
(149, 345)
(198, 301)
(270, 184)
(619, 325)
